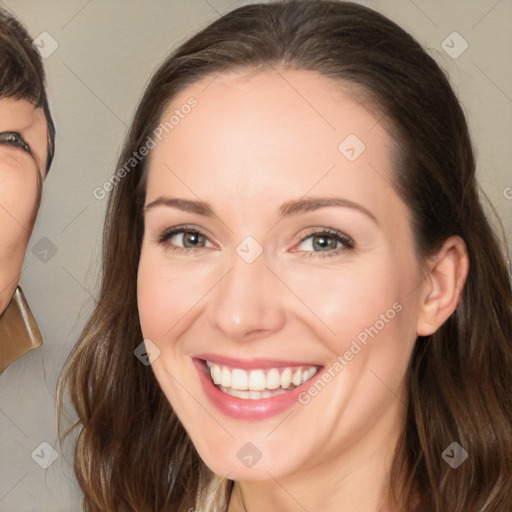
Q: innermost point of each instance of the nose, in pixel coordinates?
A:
(246, 303)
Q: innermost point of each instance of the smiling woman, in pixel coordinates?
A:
(26, 151)
(311, 229)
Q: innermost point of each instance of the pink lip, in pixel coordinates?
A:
(252, 364)
(240, 408)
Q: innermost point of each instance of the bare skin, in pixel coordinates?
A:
(21, 174)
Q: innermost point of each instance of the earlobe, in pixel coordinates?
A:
(444, 283)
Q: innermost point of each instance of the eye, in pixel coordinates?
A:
(183, 239)
(14, 139)
(327, 242)
(324, 242)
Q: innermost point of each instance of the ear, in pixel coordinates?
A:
(447, 272)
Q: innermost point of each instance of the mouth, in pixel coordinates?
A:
(257, 383)
(255, 389)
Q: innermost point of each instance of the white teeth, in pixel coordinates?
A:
(238, 379)
(252, 395)
(256, 382)
(286, 378)
(273, 379)
(308, 374)
(216, 374)
(297, 378)
(225, 379)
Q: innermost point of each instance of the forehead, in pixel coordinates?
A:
(268, 134)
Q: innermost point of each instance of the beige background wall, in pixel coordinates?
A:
(106, 53)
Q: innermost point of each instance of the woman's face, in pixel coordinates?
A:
(274, 245)
(23, 157)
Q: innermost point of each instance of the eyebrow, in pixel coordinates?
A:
(287, 209)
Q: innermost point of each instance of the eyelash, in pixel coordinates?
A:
(169, 233)
(14, 139)
(347, 242)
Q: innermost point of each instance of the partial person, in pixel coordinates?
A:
(27, 138)
(303, 304)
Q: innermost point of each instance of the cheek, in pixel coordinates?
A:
(169, 297)
(364, 314)
(350, 299)
(368, 325)
(166, 294)
(18, 203)
(152, 299)
(17, 215)
(18, 199)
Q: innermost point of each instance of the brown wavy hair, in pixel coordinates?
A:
(131, 451)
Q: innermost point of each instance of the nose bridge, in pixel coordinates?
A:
(245, 301)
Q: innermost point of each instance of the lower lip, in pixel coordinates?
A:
(247, 409)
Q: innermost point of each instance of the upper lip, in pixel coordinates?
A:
(252, 364)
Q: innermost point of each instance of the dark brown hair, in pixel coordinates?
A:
(22, 75)
(133, 454)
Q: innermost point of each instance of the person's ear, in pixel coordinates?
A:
(447, 272)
